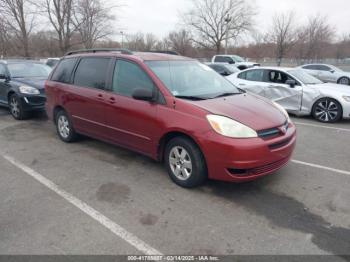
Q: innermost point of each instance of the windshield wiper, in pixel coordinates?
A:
(226, 94)
(196, 98)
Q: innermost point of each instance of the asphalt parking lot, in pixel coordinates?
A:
(93, 198)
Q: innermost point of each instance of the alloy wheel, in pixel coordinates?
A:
(327, 110)
(180, 163)
(63, 126)
(344, 81)
(14, 107)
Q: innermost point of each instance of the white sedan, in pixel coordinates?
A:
(327, 73)
(298, 92)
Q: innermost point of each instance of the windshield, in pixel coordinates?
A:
(19, 70)
(304, 77)
(238, 59)
(335, 68)
(191, 79)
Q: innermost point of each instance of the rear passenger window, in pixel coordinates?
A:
(255, 75)
(92, 72)
(63, 72)
(128, 77)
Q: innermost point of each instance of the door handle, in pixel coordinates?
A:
(100, 97)
(112, 100)
(241, 84)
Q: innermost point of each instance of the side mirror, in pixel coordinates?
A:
(224, 73)
(143, 94)
(291, 83)
(231, 62)
(332, 71)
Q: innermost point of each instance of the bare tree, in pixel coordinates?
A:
(258, 43)
(212, 21)
(316, 34)
(142, 42)
(19, 19)
(60, 14)
(93, 20)
(283, 34)
(150, 42)
(4, 38)
(180, 41)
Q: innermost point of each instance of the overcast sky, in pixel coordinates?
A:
(161, 16)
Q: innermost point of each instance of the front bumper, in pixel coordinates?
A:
(33, 102)
(346, 110)
(241, 160)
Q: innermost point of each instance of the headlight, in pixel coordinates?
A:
(282, 110)
(29, 90)
(230, 128)
(346, 98)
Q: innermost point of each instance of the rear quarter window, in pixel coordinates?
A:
(64, 70)
(242, 75)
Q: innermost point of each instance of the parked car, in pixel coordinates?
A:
(298, 92)
(172, 109)
(52, 62)
(22, 86)
(223, 69)
(328, 73)
(238, 61)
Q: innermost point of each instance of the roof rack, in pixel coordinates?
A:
(167, 52)
(81, 51)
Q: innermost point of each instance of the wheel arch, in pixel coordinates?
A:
(170, 135)
(327, 97)
(9, 94)
(55, 111)
(338, 81)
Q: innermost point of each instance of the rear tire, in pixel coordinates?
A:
(65, 128)
(16, 108)
(327, 110)
(185, 163)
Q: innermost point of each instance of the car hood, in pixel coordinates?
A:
(332, 88)
(254, 111)
(38, 82)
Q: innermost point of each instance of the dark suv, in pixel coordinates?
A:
(22, 86)
(172, 109)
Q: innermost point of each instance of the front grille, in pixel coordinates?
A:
(269, 167)
(36, 100)
(258, 170)
(280, 144)
(271, 132)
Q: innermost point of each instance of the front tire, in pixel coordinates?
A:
(185, 163)
(344, 81)
(327, 110)
(16, 108)
(65, 128)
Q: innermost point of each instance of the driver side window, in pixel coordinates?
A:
(127, 77)
(278, 77)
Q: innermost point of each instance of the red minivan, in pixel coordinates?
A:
(172, 109)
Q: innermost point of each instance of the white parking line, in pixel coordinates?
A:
(347, 173)
(105, 221)
(322, 126)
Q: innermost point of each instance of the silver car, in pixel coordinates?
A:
(328, 73)
(298, 92)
